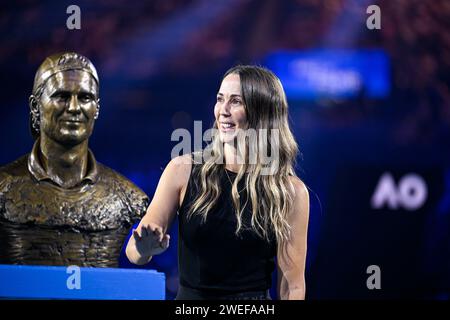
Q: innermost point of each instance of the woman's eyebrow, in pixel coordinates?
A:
(231, 95)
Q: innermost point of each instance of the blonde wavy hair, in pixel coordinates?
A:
(271, 195)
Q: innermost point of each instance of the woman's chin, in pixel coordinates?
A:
(227, 137)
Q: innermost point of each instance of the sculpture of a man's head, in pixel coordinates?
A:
(65, 100)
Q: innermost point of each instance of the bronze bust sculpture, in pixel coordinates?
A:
(58, 206)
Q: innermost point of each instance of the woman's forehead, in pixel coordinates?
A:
(231, 84)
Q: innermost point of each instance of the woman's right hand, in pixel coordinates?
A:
(150, 240)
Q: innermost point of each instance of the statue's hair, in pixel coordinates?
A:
(271, 195)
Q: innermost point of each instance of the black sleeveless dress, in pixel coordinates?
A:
(214, 262)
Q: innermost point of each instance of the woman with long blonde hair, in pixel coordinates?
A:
(240, 204)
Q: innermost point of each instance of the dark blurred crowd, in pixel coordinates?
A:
(38, 28)
(415, 33)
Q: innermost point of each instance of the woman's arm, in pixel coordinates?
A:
(150, 237)
(291, 256)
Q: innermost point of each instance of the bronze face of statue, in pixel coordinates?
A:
(58, 205)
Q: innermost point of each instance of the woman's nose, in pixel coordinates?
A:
(225, 109)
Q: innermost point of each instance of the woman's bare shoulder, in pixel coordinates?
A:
(184, 160)
(300, 190)
(180, 168)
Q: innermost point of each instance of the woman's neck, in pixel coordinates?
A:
(232, 161)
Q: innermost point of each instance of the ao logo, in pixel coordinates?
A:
(410, 193)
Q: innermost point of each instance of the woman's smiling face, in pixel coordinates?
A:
(229, 110)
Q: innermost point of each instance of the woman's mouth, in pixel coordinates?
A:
(227, 126)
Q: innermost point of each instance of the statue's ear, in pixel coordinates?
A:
(98, 109)
(34, 116)
(33, 103)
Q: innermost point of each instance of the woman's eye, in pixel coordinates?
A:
(236, 101)
(219, 99)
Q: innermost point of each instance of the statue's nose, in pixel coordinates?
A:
(74, 106)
